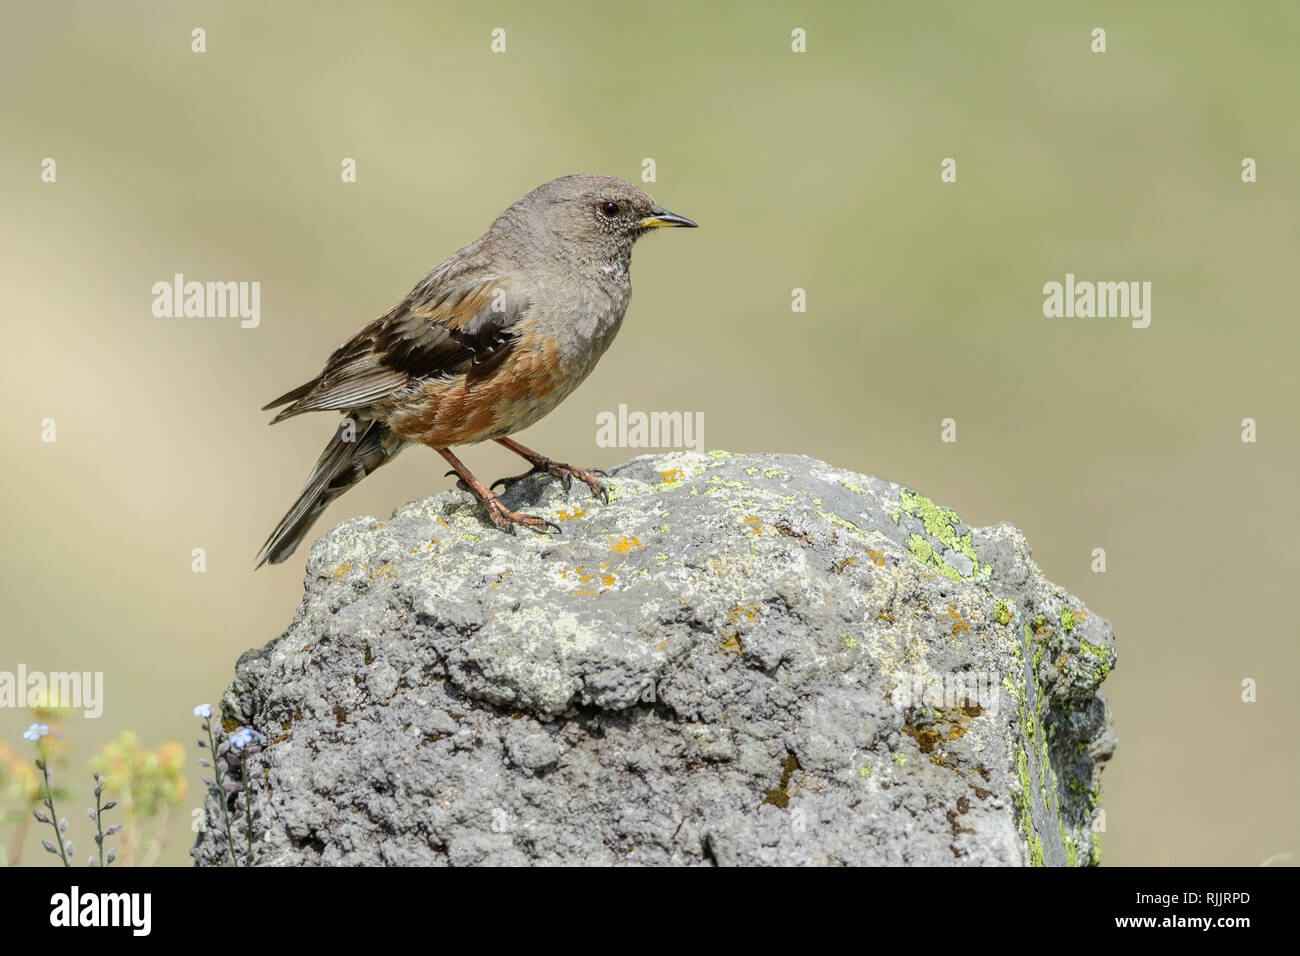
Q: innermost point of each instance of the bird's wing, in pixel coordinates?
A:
(448, 325)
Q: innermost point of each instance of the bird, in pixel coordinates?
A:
(486, 344)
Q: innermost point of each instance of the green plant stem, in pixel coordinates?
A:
(248, 807)
(221, 789)
(99, 824)
(49, 804)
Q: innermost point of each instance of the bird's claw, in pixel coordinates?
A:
(505, 483)
(505, 519)
(565, 473)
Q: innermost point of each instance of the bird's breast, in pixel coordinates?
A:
(557, 346)
(582, 325)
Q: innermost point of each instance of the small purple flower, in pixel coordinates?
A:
(204, 711)
(244, 736)
(36, 731)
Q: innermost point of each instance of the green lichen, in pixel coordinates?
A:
(841, 522)
(1033, 760)
(1071, 851)
(1002, 612)
(1012, 688)
(1067, 620)
(1035, 850)
(941, 524)
(923, 552)
(1105, 656)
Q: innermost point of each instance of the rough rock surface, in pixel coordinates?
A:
(742, 659)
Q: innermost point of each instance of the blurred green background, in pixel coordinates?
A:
(818, 171)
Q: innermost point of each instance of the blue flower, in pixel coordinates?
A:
(36, 731)
(204, 711)
(244, 736)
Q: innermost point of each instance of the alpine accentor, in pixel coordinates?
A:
(483, 346)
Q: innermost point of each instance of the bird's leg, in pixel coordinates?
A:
(501, 516)
(544, 466)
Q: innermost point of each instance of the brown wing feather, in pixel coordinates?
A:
(452, 323)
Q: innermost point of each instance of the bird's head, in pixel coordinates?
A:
(587, 218)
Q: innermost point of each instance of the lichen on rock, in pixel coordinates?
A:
(749, 659)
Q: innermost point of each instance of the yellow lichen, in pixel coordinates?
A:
(624, 544)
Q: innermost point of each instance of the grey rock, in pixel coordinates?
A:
(529, 746)
(741, 659)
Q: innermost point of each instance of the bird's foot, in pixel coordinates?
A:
(566, 474)
(505, 519)
(460, 483)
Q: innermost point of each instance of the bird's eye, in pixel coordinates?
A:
(610, 210)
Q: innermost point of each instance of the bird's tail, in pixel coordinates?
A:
(356, 449)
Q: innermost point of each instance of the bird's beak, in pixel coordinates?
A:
(662, 217)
